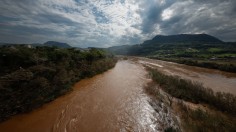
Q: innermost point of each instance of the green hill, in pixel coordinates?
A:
(192, 49)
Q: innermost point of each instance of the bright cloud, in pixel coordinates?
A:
(104, 23)
(167, 14)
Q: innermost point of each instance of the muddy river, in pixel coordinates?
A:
(113, 101)
(218, 81)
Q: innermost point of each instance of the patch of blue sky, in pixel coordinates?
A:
(122, 2)
(65, 9)
(100, 17)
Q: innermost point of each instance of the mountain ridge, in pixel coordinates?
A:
(57, 44)
(170, 43)
(184, 38)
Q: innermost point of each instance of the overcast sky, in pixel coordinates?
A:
(104, 23)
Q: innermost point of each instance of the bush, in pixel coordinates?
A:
(212, 65)
(194, 92)
(198, 120)
(32, 77)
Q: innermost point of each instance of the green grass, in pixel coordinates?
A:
(214, 50)
(204, 56)
(225, 55)
(192, 50)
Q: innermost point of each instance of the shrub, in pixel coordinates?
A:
(198, 120)
(213, 65)
(194, 92)
(32, 77)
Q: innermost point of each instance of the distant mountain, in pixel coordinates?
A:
(25, 45)
(120, 50)
(36, 45)
(169, 43)
(49, 44)
(184, 38)
(57, 44)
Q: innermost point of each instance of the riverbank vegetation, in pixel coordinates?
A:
(219, 56)
(227, 66)
(30, 77)
(219, 113)
(184, 49)
(204, 120)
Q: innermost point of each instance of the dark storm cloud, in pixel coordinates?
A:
(215, 17)
(113, 22)
(151, 14)
(38, 20)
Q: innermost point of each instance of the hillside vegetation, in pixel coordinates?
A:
(56, 44)
(198, 50)
(30, 77)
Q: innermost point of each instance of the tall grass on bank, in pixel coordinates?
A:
(199, 120)
(228, 67)
(194, 92)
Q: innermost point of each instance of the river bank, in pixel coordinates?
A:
(198, 108)
(30, 78)
(223, 65)
(116, 100)
(218, 81)
(112, 101)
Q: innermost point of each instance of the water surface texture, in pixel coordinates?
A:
(113, 101)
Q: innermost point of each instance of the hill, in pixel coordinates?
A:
(185, 38)
(47, 44)
(57, 44)
(170, 43)
(120, 50)
(179, 45)
(192, 49)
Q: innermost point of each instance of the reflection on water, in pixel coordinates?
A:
(113, 101)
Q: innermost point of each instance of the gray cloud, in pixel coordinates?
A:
(214, 17)
(104, 23)
(151, 14)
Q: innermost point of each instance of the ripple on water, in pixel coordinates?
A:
(113, 101)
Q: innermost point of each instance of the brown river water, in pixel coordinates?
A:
(110, 102)
(113, 101)
(218, 81)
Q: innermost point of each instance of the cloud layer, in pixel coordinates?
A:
(104, 23)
